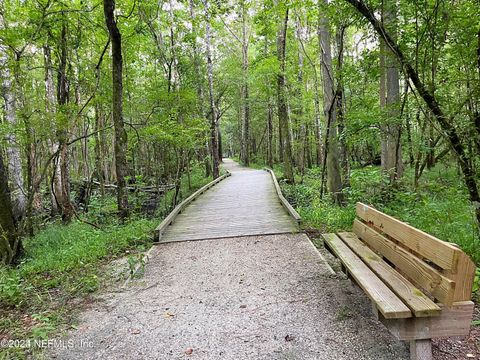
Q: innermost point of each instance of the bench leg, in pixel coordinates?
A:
(421, 349)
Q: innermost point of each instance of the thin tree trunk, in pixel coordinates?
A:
(63, 201)
(117, 103)
(299, 113)
(99, 168)
(199, 84)
(213, 109)
(245, 110)
(10, 245)
(283, 120)
(394, 164)
(334, 179)
(50, 107)
(270, 135)
(318, 129)
(383, 104)
(408, 126)
(341, 106)
(13, 147)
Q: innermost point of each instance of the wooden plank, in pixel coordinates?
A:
(284, 201)
(389, 305)
(439, 252)
(178, 209)
(416, 270)
(417, 301)
(463, 277)
(452, 321)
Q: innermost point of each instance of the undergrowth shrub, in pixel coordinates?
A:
(439, 205)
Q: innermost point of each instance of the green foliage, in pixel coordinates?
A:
(476, 285)
(44, 327)
(136, 262)
(65, 259)
(439, 206)
(61, 267)
(12, 289)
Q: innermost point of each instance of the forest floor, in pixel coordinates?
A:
(257, 297)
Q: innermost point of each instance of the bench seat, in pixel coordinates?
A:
(389, 305)
(420, 304)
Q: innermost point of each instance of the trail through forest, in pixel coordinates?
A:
(252, 297)
(112, 113)
(243, 204)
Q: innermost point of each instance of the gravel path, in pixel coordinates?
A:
(256, 297)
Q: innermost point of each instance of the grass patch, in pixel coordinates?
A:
(61, 268)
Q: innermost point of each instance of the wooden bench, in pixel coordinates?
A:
(420, 286)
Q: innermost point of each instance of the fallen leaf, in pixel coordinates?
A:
(168, 315)
(289, 338)
(243, 306)
(189, 351)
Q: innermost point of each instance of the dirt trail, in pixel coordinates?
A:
(257, 297)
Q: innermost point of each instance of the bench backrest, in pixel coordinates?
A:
(437, 267)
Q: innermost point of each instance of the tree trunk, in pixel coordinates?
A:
(199, 84)
(270, 136)
(219, 134)
(383, 103)
(318, 130)
(50, 107)
(393, 163)
(245, 109)
(302, 133)
(99, 158)
(63, 201)
(10, 245)
(117, 103)
(283, 120)
(334, 179)
(13, 148)
(213, 109)
(341, 106)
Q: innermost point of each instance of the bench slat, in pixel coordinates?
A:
(419, 272)
(389, 305)
(417, 301)
(439, 252)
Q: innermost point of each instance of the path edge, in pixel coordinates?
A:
(160, 229)
(293, 213)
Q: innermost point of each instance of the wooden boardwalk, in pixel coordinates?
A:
(245, 203)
